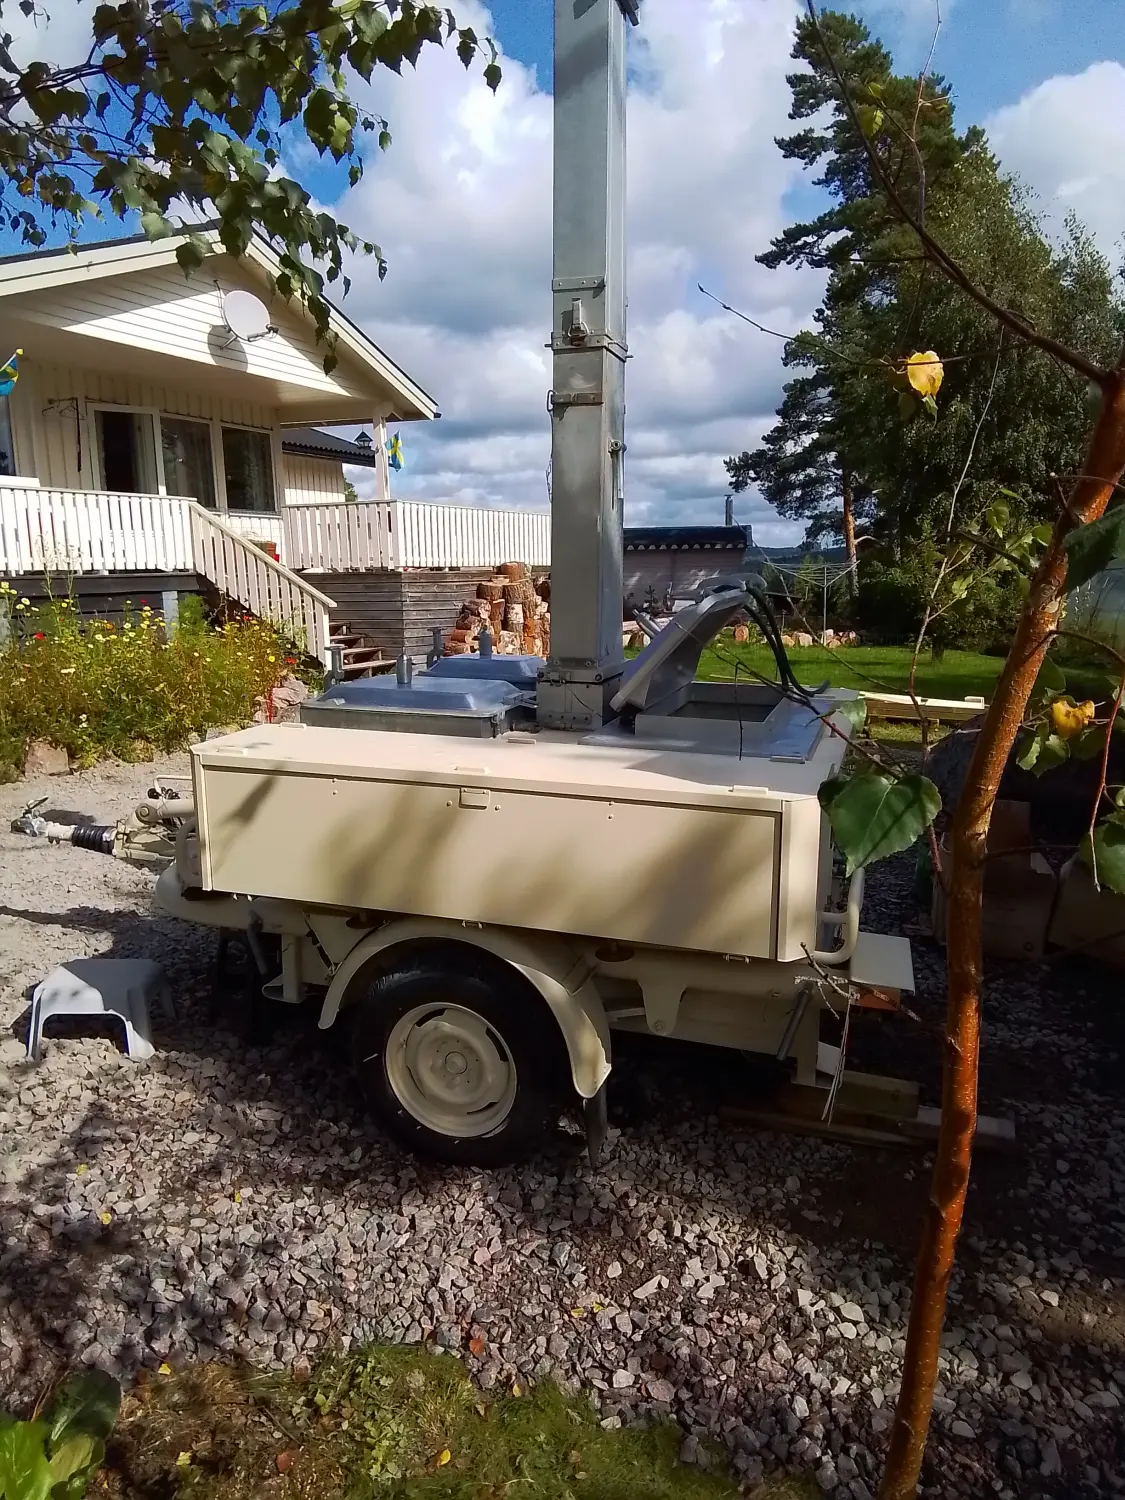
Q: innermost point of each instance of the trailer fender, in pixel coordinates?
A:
(546, 963)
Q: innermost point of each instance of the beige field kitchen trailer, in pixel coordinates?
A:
(488, 867)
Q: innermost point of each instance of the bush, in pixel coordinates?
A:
(892, 601)
(94, 689)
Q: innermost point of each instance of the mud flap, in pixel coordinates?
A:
(596, 1120)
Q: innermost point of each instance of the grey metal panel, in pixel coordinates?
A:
(589, 342)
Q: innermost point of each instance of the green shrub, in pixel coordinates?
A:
(893, 597)
(95, 689)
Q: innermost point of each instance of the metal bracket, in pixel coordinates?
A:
(578, 284)
(561, 344)
(579, 398)
(662, 998)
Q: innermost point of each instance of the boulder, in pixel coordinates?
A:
(45, 759)
(803, 638)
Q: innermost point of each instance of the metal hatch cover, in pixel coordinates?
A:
(670, 661)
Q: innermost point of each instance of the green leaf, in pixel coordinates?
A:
(870, 118)
(998, 515)
(1090, 743)
(907, 406)
(24, 1471)
(855, 711)
(1050, 682)
(86, 1406)
(873, 816)
(1028, 753)
(1053, 752)
(929, 404)
(74, 1465)
(1091, 549)
(1106, 858)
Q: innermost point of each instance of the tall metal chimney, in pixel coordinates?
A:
(587, 400)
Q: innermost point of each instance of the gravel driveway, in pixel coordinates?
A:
(232, 1197)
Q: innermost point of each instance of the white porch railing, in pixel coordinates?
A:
(266, 588)
(87, 531)
(412, 534)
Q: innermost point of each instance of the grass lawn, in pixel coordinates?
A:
(396, 1422)
(959, 674)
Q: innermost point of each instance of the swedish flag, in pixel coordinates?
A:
(394, 451)
(9, 374)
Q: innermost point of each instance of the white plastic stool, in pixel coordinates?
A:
(120, 987)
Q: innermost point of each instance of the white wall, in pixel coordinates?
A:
(163, 312)
(313, 481)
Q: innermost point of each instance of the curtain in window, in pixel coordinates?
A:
(189, 466)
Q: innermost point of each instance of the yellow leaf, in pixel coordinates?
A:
(1070, 718)
(577, 1312)
(81, 1169)
(106, 1218)
(183, 1460)
(238, 1197)
(515, 1390)
(165, 1369)
(925, 373)
(443, 1457)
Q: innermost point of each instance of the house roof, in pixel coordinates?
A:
(40, 270)
(310, 442)
(686, 539)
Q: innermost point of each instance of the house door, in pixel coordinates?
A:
(127, 451)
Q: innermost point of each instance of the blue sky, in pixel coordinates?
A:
(995, 50)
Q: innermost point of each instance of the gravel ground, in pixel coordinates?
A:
(229, 1197)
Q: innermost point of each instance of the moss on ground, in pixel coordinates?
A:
(390, 1422)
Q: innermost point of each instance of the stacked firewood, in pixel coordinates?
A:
(514, 607)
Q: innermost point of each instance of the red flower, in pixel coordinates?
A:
(39, 636)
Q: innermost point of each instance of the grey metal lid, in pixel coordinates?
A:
(434, 694)
(671, 658)
(522, 671)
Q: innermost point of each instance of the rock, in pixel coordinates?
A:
(661, 1390)
(45, 759)
(623, 1379)
(852, 1312)
(826, 1476)
(963, 1430)
(803, 638)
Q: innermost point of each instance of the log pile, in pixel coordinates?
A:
(514, 607)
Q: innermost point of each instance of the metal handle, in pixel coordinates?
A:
(848, 920)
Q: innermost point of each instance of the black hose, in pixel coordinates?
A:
(97, 837)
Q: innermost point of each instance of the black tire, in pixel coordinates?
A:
(517, 1025)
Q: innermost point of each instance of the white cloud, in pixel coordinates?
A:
(1063, 138)
(461, 205)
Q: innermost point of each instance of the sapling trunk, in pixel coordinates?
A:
(1089, 496)
(848, 498)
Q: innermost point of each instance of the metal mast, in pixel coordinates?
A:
(587, 400)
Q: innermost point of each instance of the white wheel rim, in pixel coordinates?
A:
(451, 1070)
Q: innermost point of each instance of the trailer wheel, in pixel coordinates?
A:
(461, 1066)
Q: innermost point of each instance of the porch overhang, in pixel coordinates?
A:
(127, 307)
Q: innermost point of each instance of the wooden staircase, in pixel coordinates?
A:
(358, 658)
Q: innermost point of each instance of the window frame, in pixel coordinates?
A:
(218, 457)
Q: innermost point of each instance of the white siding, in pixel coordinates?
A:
(313, 481)
(162, 311)
(49, 400)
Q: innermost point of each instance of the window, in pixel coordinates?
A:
(248, 465)
(189, 464)
(127, 451)
(7, 448)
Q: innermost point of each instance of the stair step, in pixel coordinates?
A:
(362, 653)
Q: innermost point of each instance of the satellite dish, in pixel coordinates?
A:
(246, 316)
